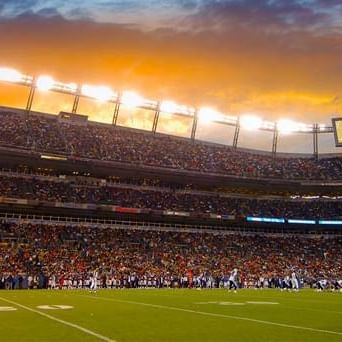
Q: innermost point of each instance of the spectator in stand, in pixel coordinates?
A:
(76, 191)
(160, 258)
(103, 142)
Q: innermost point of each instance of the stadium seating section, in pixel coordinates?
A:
(72, 252)
(80, 190)
(103, 142)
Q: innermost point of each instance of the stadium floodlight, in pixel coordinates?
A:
(207, 114)
(131, 99)
(287, 126)
(10, 75)
(250, 122)
(100, 93)
(228, 119)
(14, 76)
(45, 83)
(322, 127)
(172, 107)
(168, 107)
(268, 125)
(305, 127)
(66, 87)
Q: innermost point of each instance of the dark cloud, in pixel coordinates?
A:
(267, 15)
(328, 3)
(258, 14)
(188, 4)
(18, 6)
(48, 12)
(19, 3)
(79, 13)
(42, 17)
(123, 5)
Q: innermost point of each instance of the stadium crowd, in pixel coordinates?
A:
(102, 142)
(56, 190)
(39, 255)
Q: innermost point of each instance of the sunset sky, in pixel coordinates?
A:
(276, 59)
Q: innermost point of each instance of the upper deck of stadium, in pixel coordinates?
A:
(30, 136)
(59, 137)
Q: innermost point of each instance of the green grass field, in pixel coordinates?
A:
(171, 315)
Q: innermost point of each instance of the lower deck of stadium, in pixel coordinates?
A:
(47, 254)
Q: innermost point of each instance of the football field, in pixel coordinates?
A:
(170, 315)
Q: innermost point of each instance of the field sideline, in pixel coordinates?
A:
(170, 315)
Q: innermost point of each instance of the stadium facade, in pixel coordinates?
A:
(204, 184)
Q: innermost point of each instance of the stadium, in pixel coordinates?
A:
(154, 218)
(133, 218)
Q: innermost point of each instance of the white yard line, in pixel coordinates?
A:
(72, 325)
(154, 293)
(203, 313)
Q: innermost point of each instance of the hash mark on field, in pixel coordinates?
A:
(75, 326)
(55, 307)
(7, 308)
(203, 313)
(263, 303)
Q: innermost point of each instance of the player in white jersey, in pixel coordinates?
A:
(322, 284)
(52, 282)
(93, 281)
(233, 279)
(338, 285)
(294, 282)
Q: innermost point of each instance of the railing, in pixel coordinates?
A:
(159, 226)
